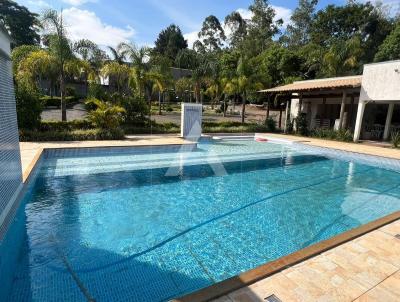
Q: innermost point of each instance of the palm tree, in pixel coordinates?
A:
(105, 116)
(201, 67)
(119, 75)
(342, 57)
(59, 49)
(118, 53)
(230, 87)
(140, 60)
(93, 56)
(160, 75)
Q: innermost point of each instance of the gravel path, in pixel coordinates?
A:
(77, 112)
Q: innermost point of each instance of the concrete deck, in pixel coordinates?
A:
(364, 269)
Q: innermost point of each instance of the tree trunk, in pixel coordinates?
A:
(62, 93)
(197, 92)
(51, 89)
(224, 109)
(159, 103)
(243, 106)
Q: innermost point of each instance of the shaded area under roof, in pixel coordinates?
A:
(320, 84)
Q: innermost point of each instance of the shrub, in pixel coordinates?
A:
(96, 91)
(106, 116)
(271, 124)
(70, 91)
(136, 109)
(302, 124)
(169, 109)
(395, 139)
(29, 107)
(75, 135)
(339, 135)
(344, 135)
(48, 126)
(232, 127)
(289, 128)
(152, 128)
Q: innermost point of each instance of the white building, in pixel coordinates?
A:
(365, 104)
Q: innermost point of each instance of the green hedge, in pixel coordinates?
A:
(233, 127)
(153, 128)
(65, 126)
(74, 135)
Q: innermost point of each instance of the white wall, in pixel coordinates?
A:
(381, 82)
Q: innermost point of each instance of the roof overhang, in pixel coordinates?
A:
(329, 84)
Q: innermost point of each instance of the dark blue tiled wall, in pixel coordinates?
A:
(10, 160)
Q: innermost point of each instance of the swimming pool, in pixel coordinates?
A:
(151, 224)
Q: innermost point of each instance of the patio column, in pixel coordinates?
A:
(359, 118)
(342, 108)
(388, 121)
(300, 104)
(287, 116)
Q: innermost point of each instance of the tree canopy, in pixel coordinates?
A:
(170, 41)
(390, 48)
(22, 24)
(231, 60)
(212, 34)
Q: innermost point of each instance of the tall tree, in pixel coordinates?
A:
(343, 58)
(170, 41)
(212, 34)
(22, 24)
(238, 28)
(341, 23)
(186, 58)
(298, 31)
(262, 26)
(390, 48)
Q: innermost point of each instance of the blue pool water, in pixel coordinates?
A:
(156, 223)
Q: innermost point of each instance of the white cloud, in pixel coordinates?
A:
(191, 38)
(84, 24)
(78, 2)
(281, 12)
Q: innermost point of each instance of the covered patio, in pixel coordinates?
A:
(365, 105)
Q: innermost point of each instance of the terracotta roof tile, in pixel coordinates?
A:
(329, 83)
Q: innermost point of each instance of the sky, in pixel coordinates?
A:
(109, 22)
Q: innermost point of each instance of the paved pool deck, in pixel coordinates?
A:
(366, 268)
